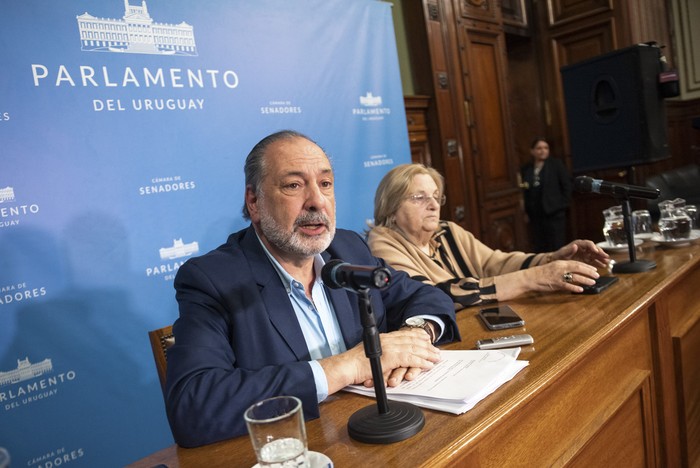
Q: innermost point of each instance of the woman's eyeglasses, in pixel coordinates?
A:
(422, 199)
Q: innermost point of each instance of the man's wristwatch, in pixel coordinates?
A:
(417, 322)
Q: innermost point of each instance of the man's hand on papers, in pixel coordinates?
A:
(458, 382)
(405, 354)
(394, 351)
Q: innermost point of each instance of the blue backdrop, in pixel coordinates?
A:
(123, 130)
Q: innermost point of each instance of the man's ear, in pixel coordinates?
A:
(251, 202)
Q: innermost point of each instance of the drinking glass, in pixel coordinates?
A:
(614, 227)
(4, 458)
(674, 223)
(277, 432)
(641, 220)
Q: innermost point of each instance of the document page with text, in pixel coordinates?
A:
(460, 380)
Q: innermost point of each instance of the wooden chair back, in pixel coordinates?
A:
(161, 340)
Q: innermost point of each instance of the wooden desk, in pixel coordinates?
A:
(613, 380)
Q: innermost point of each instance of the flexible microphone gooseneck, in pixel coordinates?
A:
(380, 424)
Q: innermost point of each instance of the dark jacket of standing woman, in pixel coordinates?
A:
(555, 186)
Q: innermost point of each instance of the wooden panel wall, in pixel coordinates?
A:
(493, 77)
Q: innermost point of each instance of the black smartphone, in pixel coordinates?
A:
(500, 317)
(600, 284)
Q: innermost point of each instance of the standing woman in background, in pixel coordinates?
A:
(547, 190)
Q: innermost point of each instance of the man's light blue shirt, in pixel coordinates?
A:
(317, 320)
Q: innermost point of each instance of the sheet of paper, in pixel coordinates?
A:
(458, 382)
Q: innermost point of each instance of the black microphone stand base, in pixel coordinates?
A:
(636, 266)
(400, 422)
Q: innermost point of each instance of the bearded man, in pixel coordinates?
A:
(256, 320)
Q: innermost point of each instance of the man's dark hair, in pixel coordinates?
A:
(255, 162)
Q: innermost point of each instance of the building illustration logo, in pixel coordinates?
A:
(135, 33)
(45, 382)
(179, 250)
(7, 194)
(368, 100)
(25, 371)
(371, 108)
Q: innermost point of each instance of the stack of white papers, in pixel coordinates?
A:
(458, 382)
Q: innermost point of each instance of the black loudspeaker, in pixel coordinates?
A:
(614, 109)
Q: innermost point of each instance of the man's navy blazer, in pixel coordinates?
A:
(238, 341)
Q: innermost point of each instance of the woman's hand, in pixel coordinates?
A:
(558, 275)
(562, 275)
(583, 251)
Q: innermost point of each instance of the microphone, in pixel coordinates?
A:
(339, 274)
(588, 184)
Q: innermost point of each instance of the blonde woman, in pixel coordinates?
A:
(410, 236)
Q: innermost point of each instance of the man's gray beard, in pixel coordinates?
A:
(293, 241)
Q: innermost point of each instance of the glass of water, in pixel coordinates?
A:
(641, 219)
(4, 458)
(614, 227)
(674, 223)
(277, 432)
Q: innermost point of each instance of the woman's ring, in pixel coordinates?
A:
(568, 277)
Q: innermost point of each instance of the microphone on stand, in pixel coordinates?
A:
(338, 274)
(623, 193)
(587, 184)
(382, 424)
